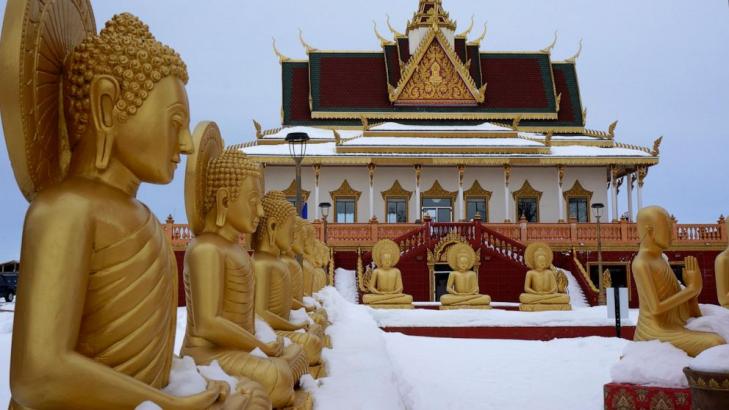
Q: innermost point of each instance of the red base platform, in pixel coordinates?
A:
(518, 333)
(633, 397)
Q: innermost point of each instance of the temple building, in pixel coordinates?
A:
(432, 124)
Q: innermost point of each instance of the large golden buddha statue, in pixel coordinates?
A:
(223, 192)
(462, 285)
(273, 282)
(385, 286)
(721, 271)
(665, 305)
(88, 117)
(545, 287)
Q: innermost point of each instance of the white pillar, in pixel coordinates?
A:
(317, 168)
(642, 172)
(460, 200)
(371, 169)
(630, 197)
(560, 193)
(507, 179)
(418, 210)
(614, 194)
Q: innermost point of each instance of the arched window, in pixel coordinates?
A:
(397, 201)
(526, 202)
(477, 202)
(578, 201)
(345, 203)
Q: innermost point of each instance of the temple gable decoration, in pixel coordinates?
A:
(435, 75)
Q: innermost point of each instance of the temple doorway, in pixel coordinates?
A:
(441, 272)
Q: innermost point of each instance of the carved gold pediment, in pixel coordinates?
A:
(477, 191)
(436, 76)
(345, 190)
(291, 191)
(437, 191)
(396, 190)
(578, 191)
(527, 191)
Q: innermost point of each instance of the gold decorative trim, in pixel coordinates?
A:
(573, 59)
(470, 27)
(303, 42)
(346, 191)
(392, 30)
(383, 41)
(441, 134)
(379, 115)
(437, 191)
(578, 192)
(396, 191)
(543, 150)
(281, 58)
(480, 38)
(550, 47)
(285, 160)
(526, 191)
(290, 192)
(476, 191)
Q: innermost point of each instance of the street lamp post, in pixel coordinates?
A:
(324, 207)
(297, 149)
(598, 209)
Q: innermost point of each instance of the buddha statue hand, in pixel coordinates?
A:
(692, 274)
(274, 349)
(214, 395)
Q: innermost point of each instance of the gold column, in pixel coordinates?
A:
(317, 171)
(507, 179)
(418, 209)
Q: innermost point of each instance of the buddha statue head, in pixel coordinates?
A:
(538, 256)
(276, 228)
(309, 235)
(125, 104)
(386, 254)
(655, 227)
(297, 245)
(461, 257)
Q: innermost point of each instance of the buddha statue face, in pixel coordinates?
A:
(246, 211)
(297, 245)
(540, 260)
(386, 260)
(276, 229)
(463, 261)
(655, 226)
(285, 234)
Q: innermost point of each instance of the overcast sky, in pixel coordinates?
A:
(659, 67)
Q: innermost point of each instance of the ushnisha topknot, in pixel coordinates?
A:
(126, 50)
(228, 171)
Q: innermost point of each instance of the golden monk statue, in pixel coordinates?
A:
(223, 192)
(545, 287)
(721, 271)
(385, 286)
(273, 282)
(665, 305)
(295, 270)
(308, 258)
(97, 115)
(321, 253)
(462, 285)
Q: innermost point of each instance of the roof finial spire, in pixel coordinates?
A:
(281, 58)
(308, 48)
(550, 47)
(392, 30)
(482, 36)
(383, 40)
(470, 27)
(574, 58)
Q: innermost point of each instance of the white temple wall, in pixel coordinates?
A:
(384, 178)
(490, 179)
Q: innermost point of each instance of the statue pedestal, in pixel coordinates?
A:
(539, 307)
(394, 306)
(708, 390)
(631, 396)
(473, 307)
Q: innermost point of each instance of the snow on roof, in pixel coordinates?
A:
(449, 142)
(314, 133)
(587, 151)
(394, 126)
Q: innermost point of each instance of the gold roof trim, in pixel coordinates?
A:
(396, 190)
(578, 191)
(477, 190)
(347, 160)
(437, 191)
(527, 190)
(392, 30)
(370, 149)
(345, 190)
(480, 38)
(379, 115)
(470, 27)
(441, 134)
(383, 41)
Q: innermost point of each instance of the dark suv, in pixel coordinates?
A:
(8, 284)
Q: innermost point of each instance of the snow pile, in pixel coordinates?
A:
(346, 283)
(460, 374)
(592, 316)
(299, 316)
(652, 363)
(309, 301)
(715, 319)
(264, 332)
(148, 405)
(359, 370)
(214, 372)
(577, 296)
(184, 378)
(714, 360)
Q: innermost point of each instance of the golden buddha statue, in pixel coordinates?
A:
(319, 280)
(721, 271)
(296, 272)
(665, 305)
(273, 283)
(545, 287)
(307, 261)
(385, 286)
(462, 285)
(97, 115)
(223, 192)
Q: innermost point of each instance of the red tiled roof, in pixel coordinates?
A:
(513, 82)
(359, 82)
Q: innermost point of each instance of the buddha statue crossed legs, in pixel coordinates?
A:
(385, 284)
(721, 270)
(545, 288)
(223, 192)
(273, 283)
(97, 302)
(462, 285)
(665, 305)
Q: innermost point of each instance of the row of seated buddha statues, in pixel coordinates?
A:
(462, 286)
(383, 287)
(665, 304)
(545, 287)
(88, 117)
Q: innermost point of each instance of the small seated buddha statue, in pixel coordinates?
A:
(296, 272)
(545, 287)
(666, 305)
(385, 286)
(223, 192)
(308, 259)
(721, 271)
(303, 235)
(319, 281)
(99, 115)
(462, 285)
(273, 282)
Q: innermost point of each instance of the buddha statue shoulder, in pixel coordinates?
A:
(223, 190)
(273, 283)
(296, 272)
(96, 308)
(666, 305)
(385, 286)
(462, 285)
(545, 287)
(721, 269)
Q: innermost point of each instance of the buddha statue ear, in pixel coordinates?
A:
(272, 227)
(103, 94)
(221, 206)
